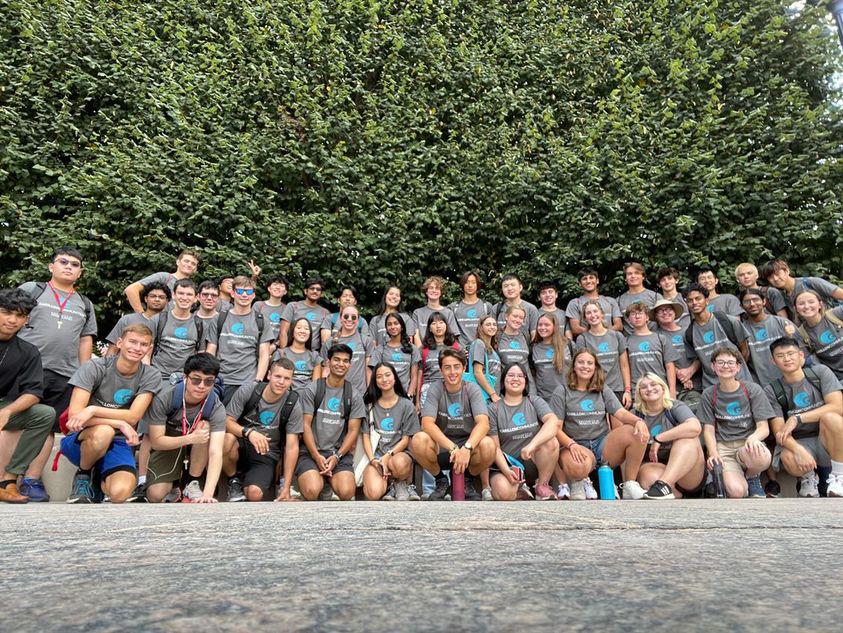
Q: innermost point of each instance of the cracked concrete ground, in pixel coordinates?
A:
(699, 565)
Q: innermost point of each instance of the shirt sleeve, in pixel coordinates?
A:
(493, 418)
(557, 402)
(266, 336)
(88, 375)
(358, 409)
(117, 330)
(616, 309)
(541, 407)
(287, 313)
(738, 329)
(669, 352)
(295, 425)
(705, 412)
(572, 310)
(30, 378)
(476, 400)
(156, 414)
(376, 356)
(828, 381)
(681, 412)
(306, 400)
(410, 423)
(161, 277)
(150, 380)
(822, 286)
(217, 419)
(90, 328)
(621, 341)
(431, 403)
(326, 323)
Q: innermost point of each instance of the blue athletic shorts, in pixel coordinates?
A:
(119, 455)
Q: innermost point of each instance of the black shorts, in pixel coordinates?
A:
(306, 463)
(663, 455)
(531, 471)
(56, 394)
(258, 470)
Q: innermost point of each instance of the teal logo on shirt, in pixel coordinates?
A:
(676, 339)
(301, 365)
(711, 308)
(603, 347)
(472, 313)
(827, 337)
(310, 316)
(122, 396)
(761, 335)
(587, 405)
(388, 424)
(180, 332)
(267, 417)
(334, 405)
(454, 410)
(802, 399)
(352, 345)
(734, 408)
(655, 430)
(549, 354)
(238, 329)
(514, 345)
(396, 356)
(708, 337)
(518, 419)
(644, 346)
(275, 317)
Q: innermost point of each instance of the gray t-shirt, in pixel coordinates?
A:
(178, 342)
(734, 414)
(677, 340)
(761, 336)
(516, 425)
(802, 397)
(402, 361)
(608, 349)
(819, 285)
(558, 314)
(649, 353)
(125, 321)
(377, 327)
(530, 320)
(159, 414)
(392, 424)
(491, 361)
(111, 389)
(454, 412)
(271, 316)
(513, 348)
(296, 310)
(305, 363)
(728, 304)
(467, 317)
(163, 277)
(712, 336)
(547, 379)
(659, 423)
(422, 315)
(238, 346)
(646, 296)
(826, 340)
(266, 417)
(610, 307)
(331, 323)
(430, 364)
(328, 423)
(583, 413)
(56, 333)
(362, 347)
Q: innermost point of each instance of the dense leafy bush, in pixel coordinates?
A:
(374, 140)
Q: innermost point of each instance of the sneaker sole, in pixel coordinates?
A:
(670, 496)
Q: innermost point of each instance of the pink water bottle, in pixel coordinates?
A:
(457, 486)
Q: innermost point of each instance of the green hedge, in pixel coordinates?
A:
(371, 141)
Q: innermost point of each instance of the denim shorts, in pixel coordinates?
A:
(595, 446)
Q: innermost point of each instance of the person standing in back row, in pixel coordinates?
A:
(186, 264)
(635, 274)
(309, 309)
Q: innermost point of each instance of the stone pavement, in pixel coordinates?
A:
(696, 565)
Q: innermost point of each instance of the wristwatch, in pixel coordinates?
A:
(468, 445)
(246, 433)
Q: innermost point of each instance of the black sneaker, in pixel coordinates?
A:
(83, 491)
(773, 490)
(443, 488)
(235, 490)
(659, 490)
(471, 493)
(139, 495)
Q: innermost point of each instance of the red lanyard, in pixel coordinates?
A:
(59, 302)
(184, 427)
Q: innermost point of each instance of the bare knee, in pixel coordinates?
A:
(253, 493)
(831, 423)
(310, 486)
(502, 490)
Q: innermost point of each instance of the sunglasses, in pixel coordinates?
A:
(349, 317)
(245, 291)
(62, 261)
(208, 295)
(315, 288)
(205, 382)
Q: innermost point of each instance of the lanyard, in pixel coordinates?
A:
(185, 429)
(61, 304)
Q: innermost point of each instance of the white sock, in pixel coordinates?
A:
(141, 480)
(836, 467)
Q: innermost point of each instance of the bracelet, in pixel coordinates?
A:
(570, 444)
(628, 390)
(454, 450)
(246, 433)
(798, 419)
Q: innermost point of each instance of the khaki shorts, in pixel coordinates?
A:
(729, 454)
(165, 466)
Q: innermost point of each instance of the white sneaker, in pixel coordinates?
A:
(809, 485)
(487, 494)
(563, 492)
(578, 490)
(632, 490)
(590, 492)
(835, 485)
(192, 492)
(412, 495)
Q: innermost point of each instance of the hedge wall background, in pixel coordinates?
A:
(371, 141)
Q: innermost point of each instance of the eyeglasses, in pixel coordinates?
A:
(205, 382)
(786, 355)
(349, 317)
(209, 295)
(725, 363)
(315, 288)
(245, 291)
(512, 376)
(160, 296)
(73, 263)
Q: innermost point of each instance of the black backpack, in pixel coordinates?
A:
(319, 396)
(162, 323)
(283, 414)
(724, 322)
(781, 396)
(258, 319)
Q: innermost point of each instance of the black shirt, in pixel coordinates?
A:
(20, 369)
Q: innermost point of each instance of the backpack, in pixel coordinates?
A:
(283, 415)
(830, 316)
(41, 286)
(725, 324)
(177, 398)
(319, 396)
(781, 396)
(162, 323)
(223, 315)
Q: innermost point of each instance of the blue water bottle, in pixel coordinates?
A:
(606, 479)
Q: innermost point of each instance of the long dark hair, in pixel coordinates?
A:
(506, 369)
(373, 392)
(406, 346)
(382, 304)
(429, 340)
(308, 344)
